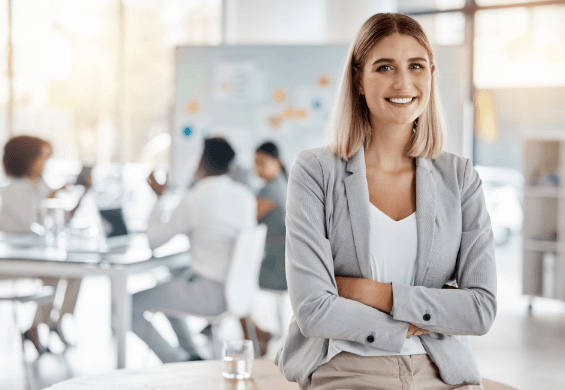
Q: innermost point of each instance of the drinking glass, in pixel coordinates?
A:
(237, 359)
(53, 221)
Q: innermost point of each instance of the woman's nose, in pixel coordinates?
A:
(401, 79)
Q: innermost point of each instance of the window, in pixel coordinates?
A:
(152, 30)
(445, 28)
(3, 68)
(406, 6)
(520, 47)
(64, 56)
(72, 87)
(503, 2)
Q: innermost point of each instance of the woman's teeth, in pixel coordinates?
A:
(400, 100)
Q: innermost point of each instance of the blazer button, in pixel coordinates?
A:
(370, 338)
(427, 317)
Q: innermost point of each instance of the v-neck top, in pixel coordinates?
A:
(393, 247)
(393, 250)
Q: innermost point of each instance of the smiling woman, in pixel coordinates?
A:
(389, 249)
(397, 87)
(374, 64)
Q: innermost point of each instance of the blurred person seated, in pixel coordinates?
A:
(241, 175)
(211, 214)
(24, 162)
(271, 201)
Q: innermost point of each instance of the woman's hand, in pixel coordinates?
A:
(157, 187)
(374, 294)
(413, 330)
(366, 291)
(53, 193)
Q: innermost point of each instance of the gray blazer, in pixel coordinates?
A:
(328, 235)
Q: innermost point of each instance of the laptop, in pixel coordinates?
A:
(115, 235)
(115, 228)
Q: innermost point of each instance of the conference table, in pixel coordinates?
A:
(29, 256)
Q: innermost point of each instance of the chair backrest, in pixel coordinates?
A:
(242, 283)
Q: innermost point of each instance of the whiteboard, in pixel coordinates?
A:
(251, 94)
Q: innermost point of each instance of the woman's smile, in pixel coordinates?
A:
(396, 81)
(401, 101)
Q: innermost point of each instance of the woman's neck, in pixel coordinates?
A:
(387, 148)
(33, 177)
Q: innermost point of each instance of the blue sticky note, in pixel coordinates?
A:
(187, 131)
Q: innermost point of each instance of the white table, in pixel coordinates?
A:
(197, 375)
(182, 376)
(19, 258)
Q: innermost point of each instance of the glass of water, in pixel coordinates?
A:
(53, 221)
(237, 359)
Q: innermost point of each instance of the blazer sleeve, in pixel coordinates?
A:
(317, 307)
(470, 309)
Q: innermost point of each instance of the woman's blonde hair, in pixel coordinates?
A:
(349, 126)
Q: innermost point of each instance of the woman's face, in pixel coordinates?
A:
(36, 169)
(396, 80)
(267, 167)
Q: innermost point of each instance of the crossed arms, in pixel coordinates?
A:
(329, 307)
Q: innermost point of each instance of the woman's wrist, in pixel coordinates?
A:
(367, 292)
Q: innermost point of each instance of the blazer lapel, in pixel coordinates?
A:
(425, 216)
(357, 194)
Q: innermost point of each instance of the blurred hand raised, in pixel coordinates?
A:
(155, 185)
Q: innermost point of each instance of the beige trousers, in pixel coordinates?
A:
(411, 372)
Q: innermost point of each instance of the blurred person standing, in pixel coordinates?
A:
(271, 210)
(24, 161)
(212, 214)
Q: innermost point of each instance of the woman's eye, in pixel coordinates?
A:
(384, 68)
(416, 66)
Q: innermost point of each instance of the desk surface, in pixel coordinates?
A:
(136, 250)
(190, 375)
(197, 375)
(29, 256)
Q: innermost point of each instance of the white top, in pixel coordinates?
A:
(393, 250)
(212, 214)
(20, 204)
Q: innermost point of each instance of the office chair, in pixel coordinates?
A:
(242, 283)
(31, 293)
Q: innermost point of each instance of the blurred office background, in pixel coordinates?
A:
(97, 79)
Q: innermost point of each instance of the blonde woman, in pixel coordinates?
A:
(390, 258)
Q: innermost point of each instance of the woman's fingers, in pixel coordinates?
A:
(413, 330)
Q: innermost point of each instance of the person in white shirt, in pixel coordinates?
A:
(211, 214)
(24, 160)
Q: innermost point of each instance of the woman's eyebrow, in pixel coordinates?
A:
(391, 60)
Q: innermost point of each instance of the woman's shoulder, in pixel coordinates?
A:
(447, 160)
(453, 166)
(19, 185)
(323, 156)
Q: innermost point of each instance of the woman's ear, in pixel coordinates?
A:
(359, 85)
(360, 88)
(433, 68)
